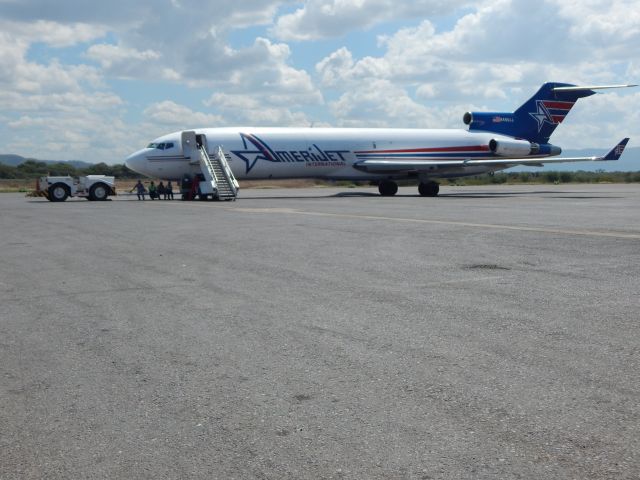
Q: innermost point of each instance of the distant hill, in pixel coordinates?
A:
(15, 160)
(12, 160)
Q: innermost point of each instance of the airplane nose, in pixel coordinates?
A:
(136, 162)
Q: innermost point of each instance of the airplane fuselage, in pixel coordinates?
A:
(494, 141)
(331, 153)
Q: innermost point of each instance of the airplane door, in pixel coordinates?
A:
(201, 140)
(189, 144)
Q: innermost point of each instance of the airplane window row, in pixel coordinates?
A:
(161, 146)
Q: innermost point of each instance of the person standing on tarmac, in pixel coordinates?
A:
(168, 191)
(139, 187)
(161, 191)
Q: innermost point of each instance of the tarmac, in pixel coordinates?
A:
(492, 332)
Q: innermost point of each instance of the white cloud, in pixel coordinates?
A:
(268, 110)
(261, 68)
(318, 19)
(613, 28)
(54, 109)
(485, 48)
(76, 121)
(334, 68)
(380, 103)
(19, 74)
(59, 35)
(59, 103)
(183, 40)
(179, 117)
(124, 62)
(52, 33)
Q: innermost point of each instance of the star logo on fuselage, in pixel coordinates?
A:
(541, 115)
(250, 157)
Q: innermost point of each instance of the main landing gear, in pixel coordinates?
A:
(429, 189)
(388, 188)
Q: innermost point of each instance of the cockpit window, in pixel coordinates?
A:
(161, 146)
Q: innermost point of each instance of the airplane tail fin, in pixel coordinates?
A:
(616, 152)
(539, 116)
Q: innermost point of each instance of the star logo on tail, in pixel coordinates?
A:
(542, 115)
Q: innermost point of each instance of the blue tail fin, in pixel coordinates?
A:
(537, 118)
(616, 152)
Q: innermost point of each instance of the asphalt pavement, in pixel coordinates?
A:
(492, 332)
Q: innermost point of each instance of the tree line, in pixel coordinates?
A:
(33, 169)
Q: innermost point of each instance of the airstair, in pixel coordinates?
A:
(215, 180)
(218, 174)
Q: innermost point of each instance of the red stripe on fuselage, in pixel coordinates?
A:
(482, 148)
(558, 105)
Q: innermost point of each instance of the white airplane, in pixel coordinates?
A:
(494, 141)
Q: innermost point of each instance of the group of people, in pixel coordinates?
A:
(160, 191)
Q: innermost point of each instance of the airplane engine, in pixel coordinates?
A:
(513, 148)
(488, 120)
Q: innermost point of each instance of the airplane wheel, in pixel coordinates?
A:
(58, 192)
(387, 188)
(98, 192)
(429, 189)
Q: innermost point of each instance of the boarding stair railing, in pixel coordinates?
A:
(226, 171)
(216, 170)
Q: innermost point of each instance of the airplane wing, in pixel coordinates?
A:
(387, 166)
